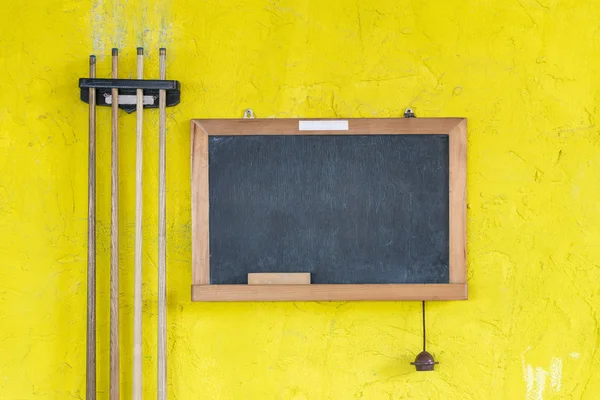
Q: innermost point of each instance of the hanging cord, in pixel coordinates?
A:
(424, 330)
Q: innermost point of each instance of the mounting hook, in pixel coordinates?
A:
(408, 113)
(248, 113)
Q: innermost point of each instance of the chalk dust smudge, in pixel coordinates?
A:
(98, 23)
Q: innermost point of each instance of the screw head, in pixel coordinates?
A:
(409, 113)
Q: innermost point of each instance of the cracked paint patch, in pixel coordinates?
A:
(536, 378)
(556, 374)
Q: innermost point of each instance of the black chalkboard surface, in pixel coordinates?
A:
(328, 209)
(349, 209)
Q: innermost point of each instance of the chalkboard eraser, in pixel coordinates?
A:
(275, 278)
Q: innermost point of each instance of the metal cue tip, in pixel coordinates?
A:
(115, 51)
(162, 51)
(92, 59)
(140, 51)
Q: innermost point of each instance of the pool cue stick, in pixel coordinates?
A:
(162, 233)
(137, 290)
(114, 238)
(90, 387)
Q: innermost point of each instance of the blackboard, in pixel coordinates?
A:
(372, 209)
(349, 209)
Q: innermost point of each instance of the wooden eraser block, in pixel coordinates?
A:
(275, 278)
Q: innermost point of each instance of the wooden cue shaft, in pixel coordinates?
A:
(137, 290)
(162, 233)
(114, 238)
(90, 387)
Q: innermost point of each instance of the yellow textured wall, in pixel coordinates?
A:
(524, 72)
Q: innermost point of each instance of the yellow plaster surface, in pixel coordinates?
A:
(525, 73)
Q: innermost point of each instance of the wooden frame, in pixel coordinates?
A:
(456, 289)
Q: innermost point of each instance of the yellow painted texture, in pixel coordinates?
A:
(525, 73)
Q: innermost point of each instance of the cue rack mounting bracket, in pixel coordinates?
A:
(127, 91)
